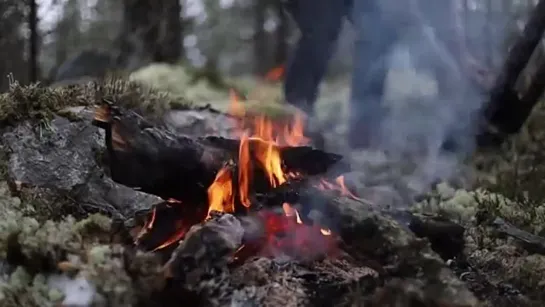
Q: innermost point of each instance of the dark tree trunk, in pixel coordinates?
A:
(489, 39)
(33, 45)
(504, 110)
(151, 32)
(260, 38)
(281, 35)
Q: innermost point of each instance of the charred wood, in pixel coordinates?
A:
(445, 236)
(160, 162)
(498, 293)
(531, 242)
(207, 248)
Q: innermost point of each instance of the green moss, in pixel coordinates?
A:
(178, 82)
(42, 103)
(43, 204)
(204, 87)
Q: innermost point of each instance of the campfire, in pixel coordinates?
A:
(254, 210)
(256, 176)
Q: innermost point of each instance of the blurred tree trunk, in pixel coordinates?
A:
(281, 35)
(260, 38)
(151, 32)
(12, 60)
(67, 32)
(33, 45)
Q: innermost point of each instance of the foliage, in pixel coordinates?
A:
(37, 102)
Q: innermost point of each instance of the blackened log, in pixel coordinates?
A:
(351, 219)
(207, 247)
(169, 165)
(156, 161)
(504, 110)
(305, 160)
(445, 236)
(345, 216)
(166, 224)
(371, 236)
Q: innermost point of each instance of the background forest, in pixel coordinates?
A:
(235, 37)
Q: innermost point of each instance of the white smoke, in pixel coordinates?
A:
(431, 100)
(78, 291)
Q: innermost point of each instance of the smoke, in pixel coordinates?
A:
(431, 100)
(77, 292)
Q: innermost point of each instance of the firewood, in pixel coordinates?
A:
(206, 247)
(160, 162)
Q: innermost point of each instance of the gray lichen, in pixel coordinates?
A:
(77, 250)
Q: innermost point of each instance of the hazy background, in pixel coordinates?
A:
(234, 36)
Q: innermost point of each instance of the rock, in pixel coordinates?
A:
(200, 123)
(63, 156)
(413, 292)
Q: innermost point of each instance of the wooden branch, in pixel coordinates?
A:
(532, 242)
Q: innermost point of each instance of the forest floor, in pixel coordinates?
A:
(497, 197)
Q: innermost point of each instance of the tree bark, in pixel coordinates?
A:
(260, 39)
(33, 46)
(503, 111)
(151, 32)
(281, 34)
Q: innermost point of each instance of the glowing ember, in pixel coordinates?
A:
(244, 172)
(275, 74)
(339, 186)
(283, 232)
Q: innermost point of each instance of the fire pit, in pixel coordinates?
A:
(254, 218)
(259, 176)
(262, 206)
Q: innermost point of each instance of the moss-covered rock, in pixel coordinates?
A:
(260, 97)
(48, 256)
(178, 81)
(42, 103)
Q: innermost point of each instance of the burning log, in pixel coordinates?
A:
(171, 166)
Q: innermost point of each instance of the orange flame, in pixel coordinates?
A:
(260, 142)
(220, 193)
(275, 74)
(339, 186)
(244, 173)
(264, 137)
